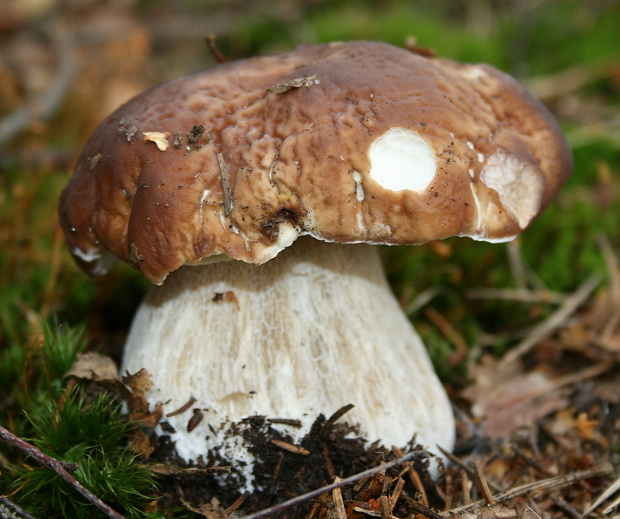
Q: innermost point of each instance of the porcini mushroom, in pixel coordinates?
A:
(251, 195)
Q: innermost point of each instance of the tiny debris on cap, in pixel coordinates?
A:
(159, 138)
(347, 142)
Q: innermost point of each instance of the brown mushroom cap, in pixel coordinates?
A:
(243, 158)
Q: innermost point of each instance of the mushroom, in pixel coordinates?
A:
(252, 196)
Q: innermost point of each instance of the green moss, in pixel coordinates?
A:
(89, 434)
(69, 426)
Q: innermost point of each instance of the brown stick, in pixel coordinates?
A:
(450, 333)
(384, 507)
(183, 408)
(482, 483)
(295, 449)
(60, 468)
(542, 330)
(217, 53)
(339, 509)
(424, 510)
(335, 417)
(400, 483)
(524, 295)
(413, 476)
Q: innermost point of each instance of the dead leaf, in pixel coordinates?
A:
(575, 427)
(159, 138)
(137, 403)
(508, 398)
(585, 426)
(93, 366)
(140, 381)
(211, 510)
(501, 512)
(306, 81)
(139, 443)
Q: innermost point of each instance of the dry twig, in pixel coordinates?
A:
(43, 106)
(424, 510)
(537, 486)
(524, 295)
(165, 469)
(238, 503)
(571, 79)
(338, 502)
(295, 449)
(555, 320)
(423, 298)
(183, 408)
(450, 333)
(610, 491)
(516, 263)
(217, 53)
(413, 476)
(482, 483)
(468, 470)
(335, 417)
(9, 510)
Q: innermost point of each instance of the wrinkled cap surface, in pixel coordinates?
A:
(348, 142)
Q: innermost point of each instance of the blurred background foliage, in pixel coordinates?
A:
(66, 64)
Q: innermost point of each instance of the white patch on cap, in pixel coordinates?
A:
(101, 260)
(474, 193)
(401, 159)
(473, 72)
(359, 188)
(505, 239)
(517, 183)
(287, 234)
(361, 226)
(203, 199)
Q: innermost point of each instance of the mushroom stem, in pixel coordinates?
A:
(310, 331)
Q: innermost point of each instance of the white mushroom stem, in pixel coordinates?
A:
(308, 332)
